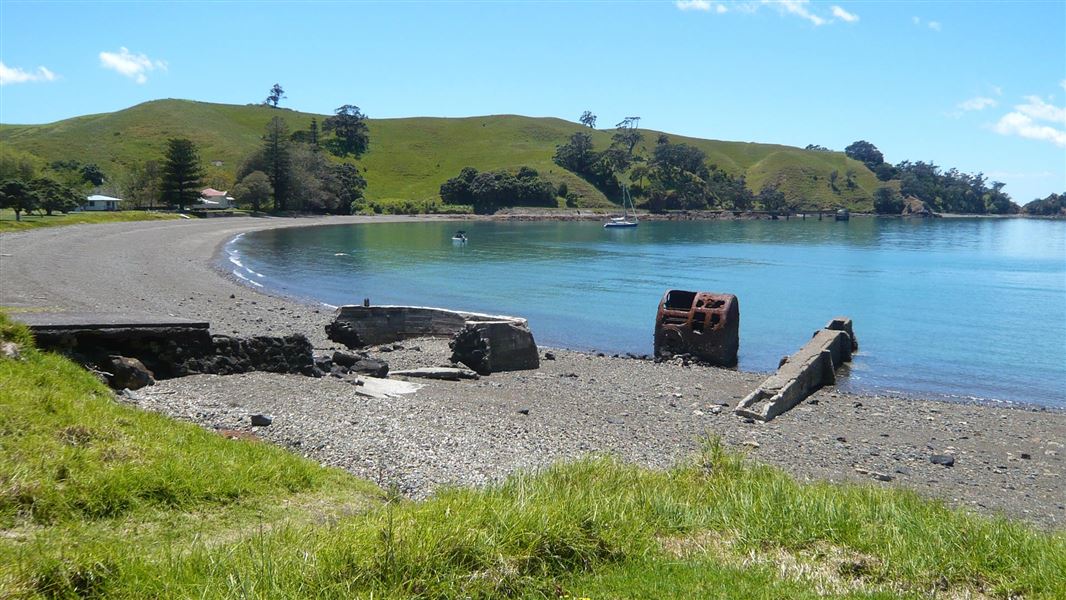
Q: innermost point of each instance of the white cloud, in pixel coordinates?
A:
(798, 8)
(934, 25)
(1020, 125)
(1036, 108)
(1024, 121)
(844, 15)
(977, 103)
(1062, 84)
(17, 75)
(701, 5)
(134, 66)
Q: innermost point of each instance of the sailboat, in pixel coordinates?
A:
(624, 220)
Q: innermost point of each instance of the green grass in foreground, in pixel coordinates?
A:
(101, 500)
(8, 222)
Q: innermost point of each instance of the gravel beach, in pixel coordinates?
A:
(1007, 460)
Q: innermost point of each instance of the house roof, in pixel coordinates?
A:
(98, 198)
(211, 193)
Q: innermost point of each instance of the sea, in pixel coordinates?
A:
(969, 309)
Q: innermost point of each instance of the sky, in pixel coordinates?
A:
(980, 86)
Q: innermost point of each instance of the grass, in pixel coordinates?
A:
(101, 500)
(409, 158)
(34, 221)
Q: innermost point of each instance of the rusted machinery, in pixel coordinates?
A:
(704, 325)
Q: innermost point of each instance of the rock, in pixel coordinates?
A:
(127, 373)
(345, 359)
(444, 373)
(942, 459)
(373, 367)
(875, 474)
(339, 371)
(494, 346)
(261, 420)
(323, 363)
(549, 356)
(750, 443)
(523, 411)
(1026, 456)
(913, 207)
(10, 350)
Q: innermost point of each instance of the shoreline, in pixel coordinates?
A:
(1009, 457)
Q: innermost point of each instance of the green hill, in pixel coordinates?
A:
(410, 157)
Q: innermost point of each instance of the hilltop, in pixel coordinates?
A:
(410, 157)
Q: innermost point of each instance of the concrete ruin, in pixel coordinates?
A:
(801, 374)
(358, 326)
(703, 325)
(126, 348)
(493, 346)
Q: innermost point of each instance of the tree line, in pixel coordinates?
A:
(490, 190)
(28, 184)
(949, 191)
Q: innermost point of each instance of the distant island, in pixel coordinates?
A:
(281, 160)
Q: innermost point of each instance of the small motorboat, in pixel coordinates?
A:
(459, 237)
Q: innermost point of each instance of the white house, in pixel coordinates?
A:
(98, 202)
(212, 198)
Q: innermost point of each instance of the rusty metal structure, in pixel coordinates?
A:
(703, 325)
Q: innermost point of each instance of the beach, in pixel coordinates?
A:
(1008, 459)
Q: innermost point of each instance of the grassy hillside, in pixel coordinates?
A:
(409, 158)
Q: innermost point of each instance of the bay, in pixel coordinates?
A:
(954, 308)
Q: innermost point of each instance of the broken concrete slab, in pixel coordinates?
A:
(383, 389)
(358, 326)
(495, 346)
(810, 368)
(444, 373)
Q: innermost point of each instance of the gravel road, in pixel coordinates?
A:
(1007, 460)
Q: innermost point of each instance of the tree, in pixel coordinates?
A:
(277, 159)
(182, 173)
(143, 184)
(16, 164)
(577, 154)
(275, 95)
(771, 199)
(52, 195)
(588, 119)
(834, 175)
(352, 136)
(627, 134)
(887, 201)
(254, 190)
(866, 153)
(16, 195)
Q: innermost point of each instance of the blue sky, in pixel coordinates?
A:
(974, 85)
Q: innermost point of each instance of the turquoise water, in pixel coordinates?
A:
(965, 308)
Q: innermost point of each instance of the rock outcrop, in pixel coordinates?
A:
(913, 207)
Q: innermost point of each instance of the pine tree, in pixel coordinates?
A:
(278, 160)
(182, 173)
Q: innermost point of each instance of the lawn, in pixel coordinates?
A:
(33, 221)
(98, 499)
